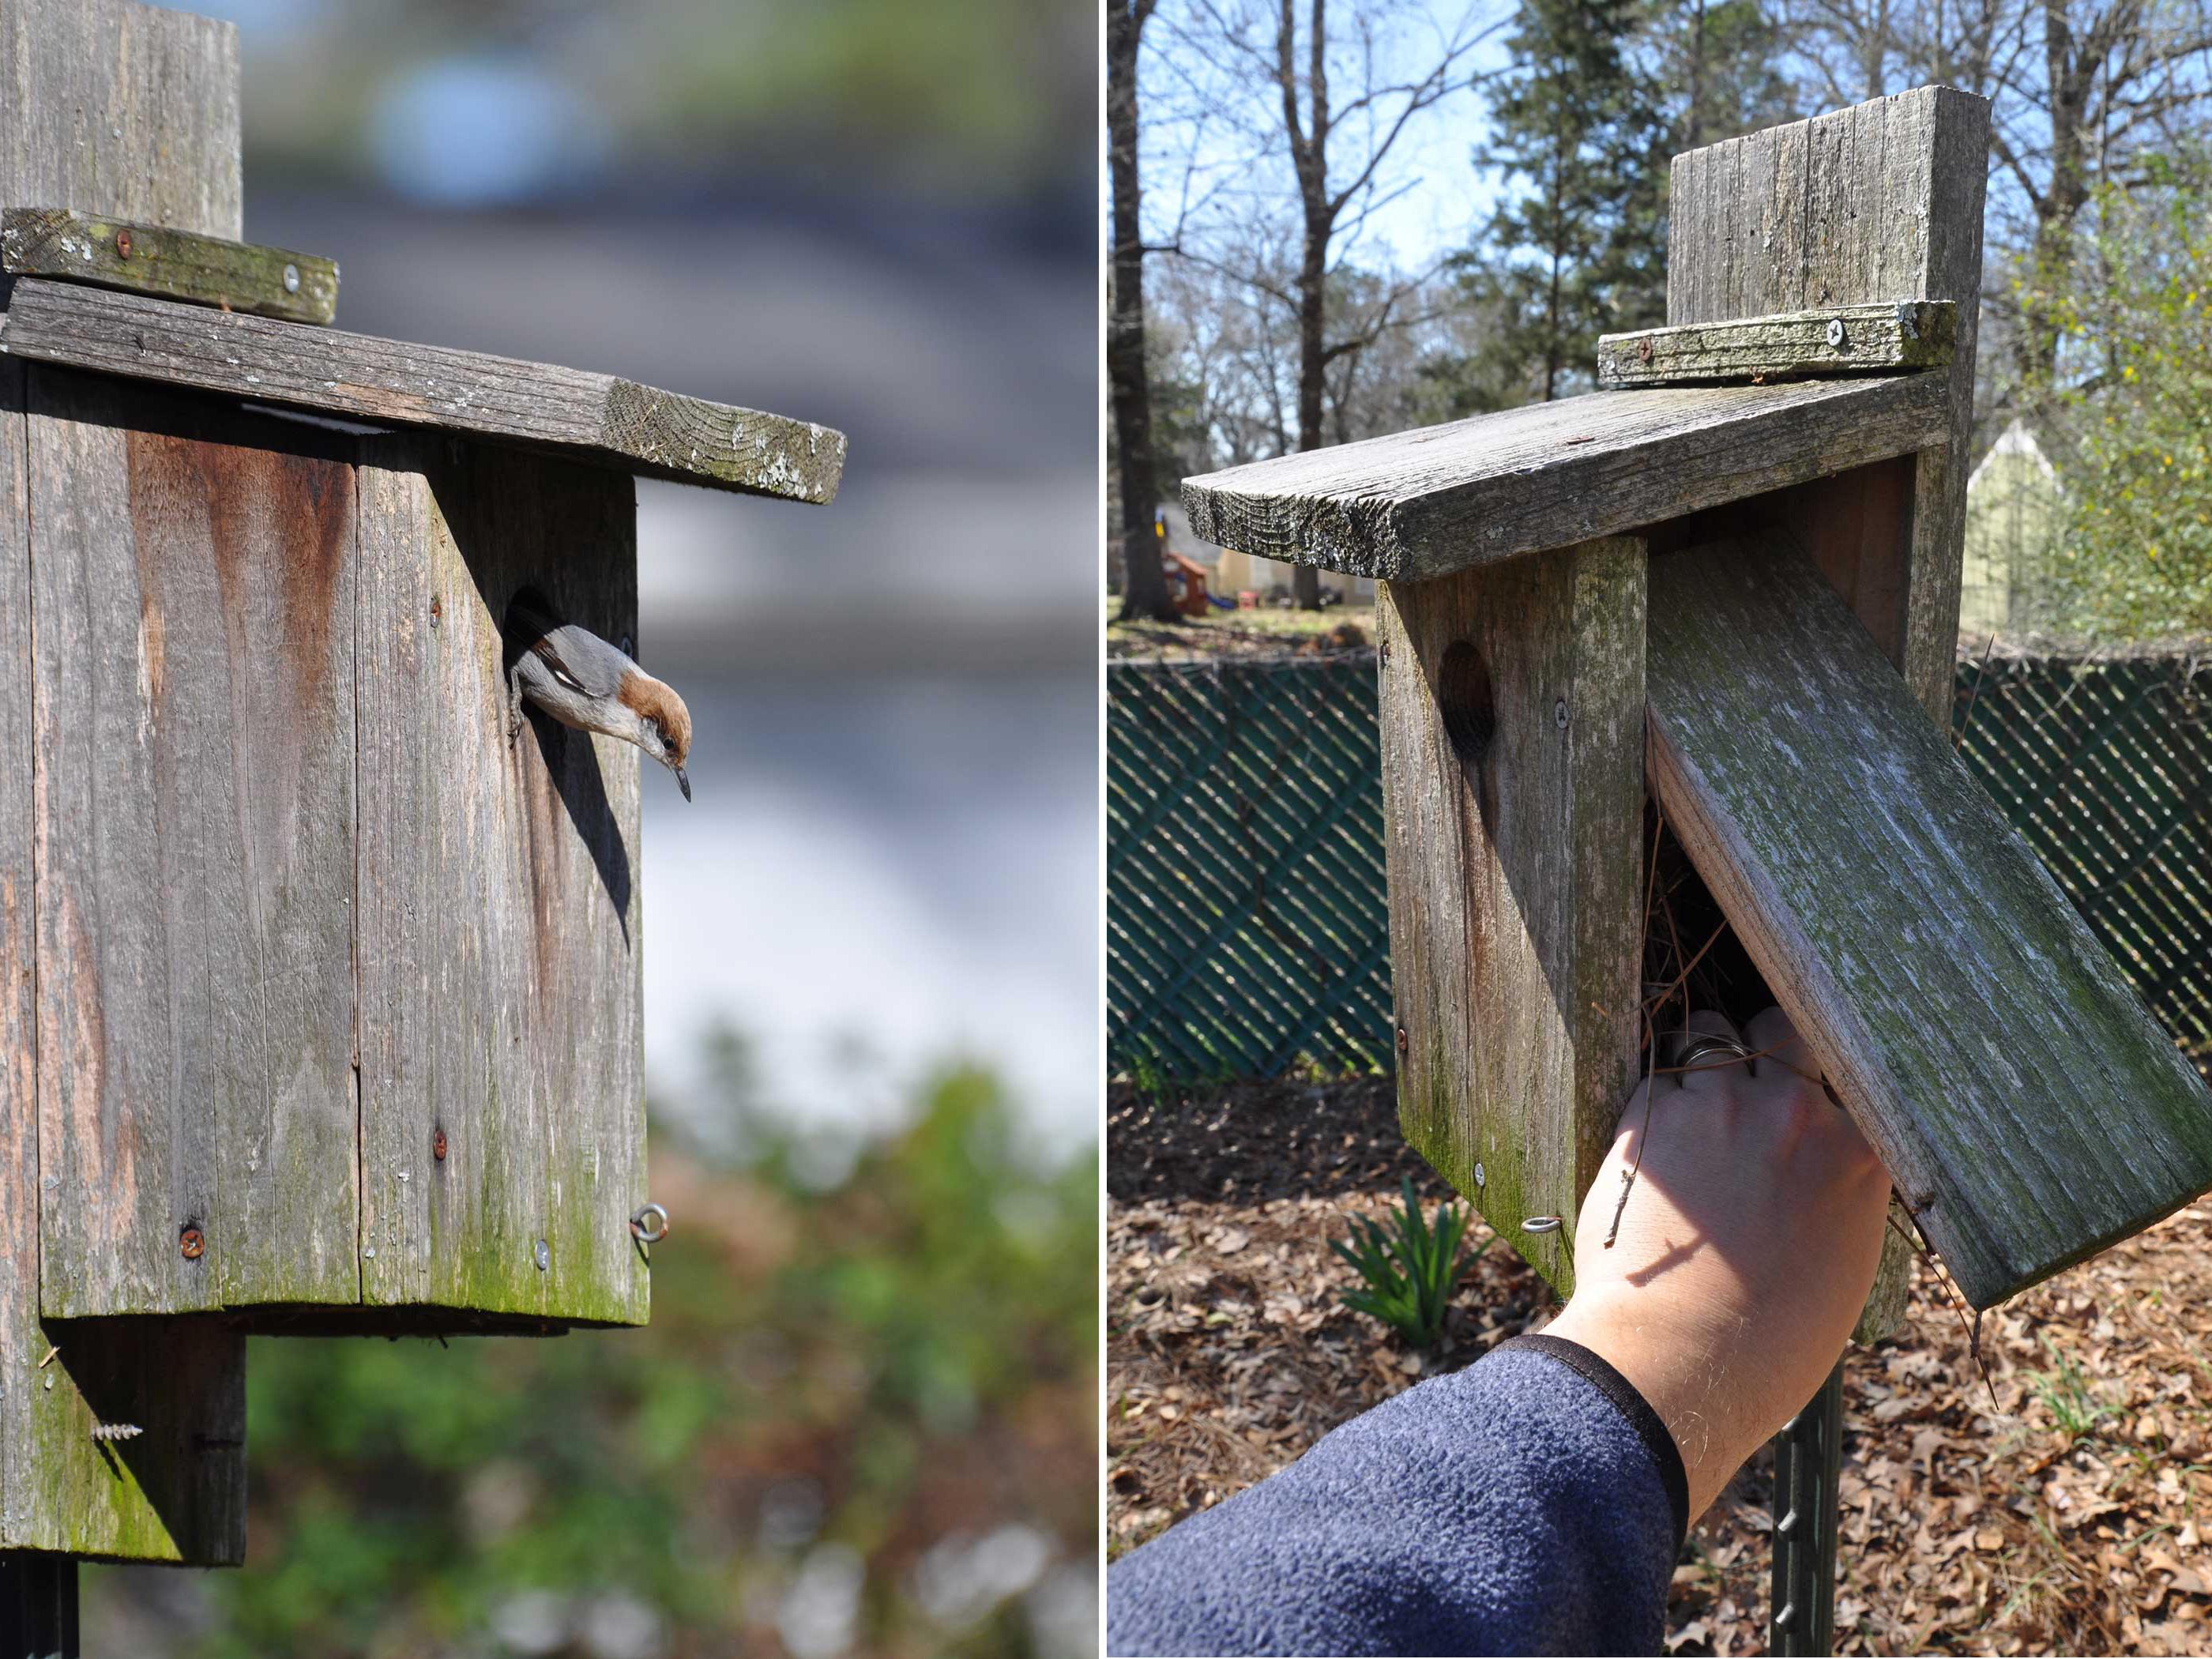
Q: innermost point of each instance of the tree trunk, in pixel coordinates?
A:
(1144, 582)
(2052, 255)
(1313, 278)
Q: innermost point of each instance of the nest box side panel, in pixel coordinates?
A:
(500, 948)
(1512, 720)
(2029, 1109)
(176, 1492)
(112, 108)
(193, 595)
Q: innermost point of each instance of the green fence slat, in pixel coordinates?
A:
(1247, 922)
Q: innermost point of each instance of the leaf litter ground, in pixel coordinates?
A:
(2076, 1516)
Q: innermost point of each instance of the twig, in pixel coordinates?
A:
(1974, 696)
(1650, 1038)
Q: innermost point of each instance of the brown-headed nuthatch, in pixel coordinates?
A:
(583, 682)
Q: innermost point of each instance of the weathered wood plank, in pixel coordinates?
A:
(179, 1492)
(1512, 720)
(499, 951)
(2029, 1109)
(1876, 203)
(175, 264)
(173, 1492)
(120, 109)
(1422, 504)
(1862, 339)
(1880, 202)
(595, 418)
(193, 577)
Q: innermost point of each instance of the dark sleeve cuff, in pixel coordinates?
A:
(1631, 1405)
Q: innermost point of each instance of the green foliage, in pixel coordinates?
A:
(1410, 1267)
(858, 1383)
(1577, 251)
(2063, 1391)
(2135, 560)
(1599, 98)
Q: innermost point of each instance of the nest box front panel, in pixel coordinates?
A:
(501, 1070)
(337, 987)
(192, 596)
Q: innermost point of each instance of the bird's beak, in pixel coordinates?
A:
(683, 783)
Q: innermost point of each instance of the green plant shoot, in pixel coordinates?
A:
(1409, 1266)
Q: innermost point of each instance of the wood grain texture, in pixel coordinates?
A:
(1876, 204)
(2031, 1111)
(124, 109)
(1511, 710)
(594, 418)
(1869, 339)
(175, 264)
(177, 1493)
(1423, 504)
(499, 949)
(116, 108)
(1881, 202)
(194, 593)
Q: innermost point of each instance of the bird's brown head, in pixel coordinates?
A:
(664, 724)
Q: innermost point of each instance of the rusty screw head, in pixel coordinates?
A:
(192, 1243)
(123, 243)
(1643, 350)
(438, 1146)
(1401, 1040)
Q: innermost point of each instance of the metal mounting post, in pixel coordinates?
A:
(38, 1606)
(1808, 1459)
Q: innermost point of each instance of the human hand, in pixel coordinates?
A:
(1747, 1250)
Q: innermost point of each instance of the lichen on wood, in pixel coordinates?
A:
(1859, 339)
(175, 264)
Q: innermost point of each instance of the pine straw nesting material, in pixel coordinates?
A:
(2075, 1518)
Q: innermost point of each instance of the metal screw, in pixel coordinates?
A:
(192, 1243)
(543, 1256)
(1643, 350)
(291, 279)
(123, 243)
(1559, 714)
(1836, 332)
(1402, 1043)
(437, 609)
(637, 1225)
(1479, 1178)
(438, 1146)
(116, 1430)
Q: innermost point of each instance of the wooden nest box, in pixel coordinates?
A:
(1731, 580)
(321, 1002)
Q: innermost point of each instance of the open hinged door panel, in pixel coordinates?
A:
(2029, 1109)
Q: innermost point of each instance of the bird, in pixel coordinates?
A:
(589, 686)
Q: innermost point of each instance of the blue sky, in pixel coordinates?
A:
(1440, 199)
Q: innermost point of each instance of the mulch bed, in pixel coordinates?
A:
(2064, 1518)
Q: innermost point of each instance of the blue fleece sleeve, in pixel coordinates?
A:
(1530, 1503)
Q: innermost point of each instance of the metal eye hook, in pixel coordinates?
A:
(637, 1225)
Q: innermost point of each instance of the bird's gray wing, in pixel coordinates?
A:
(581, 660)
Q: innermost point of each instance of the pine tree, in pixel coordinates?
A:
(1602, 95)
(1583, 124)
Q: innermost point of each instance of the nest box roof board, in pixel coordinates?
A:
(1443, 498)
(594, 418)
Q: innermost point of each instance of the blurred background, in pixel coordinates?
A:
(863, 1420)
